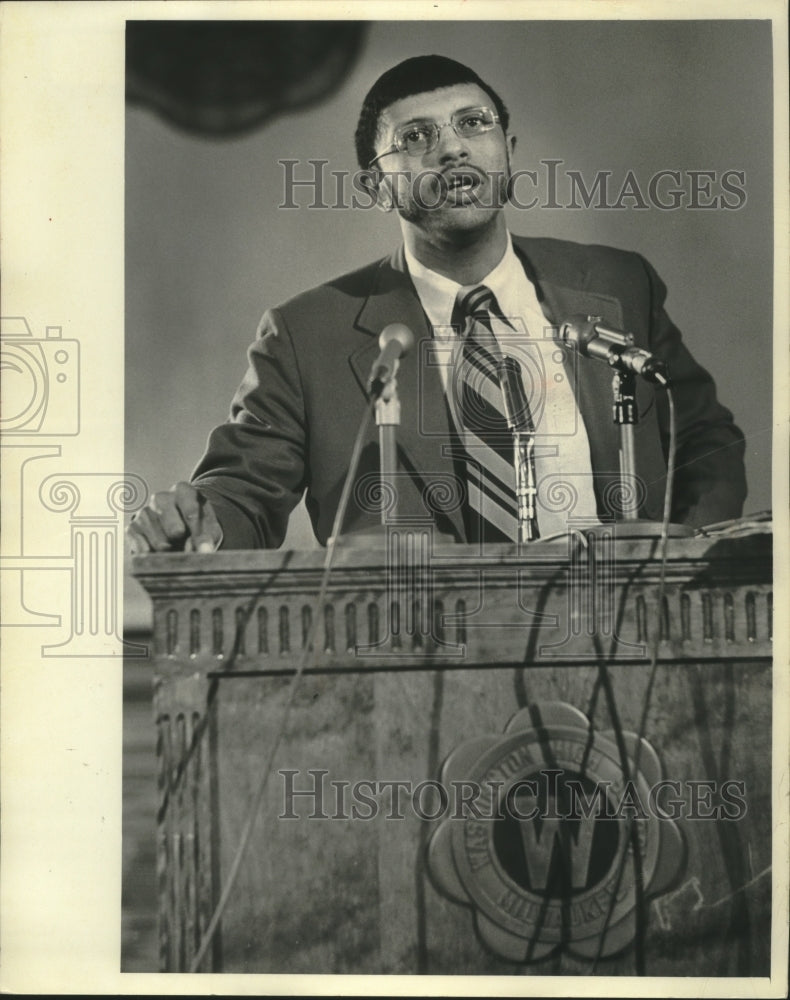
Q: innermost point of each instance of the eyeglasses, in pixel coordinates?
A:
(418, 137)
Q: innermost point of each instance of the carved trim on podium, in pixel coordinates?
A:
(186, 831)
(549, 606)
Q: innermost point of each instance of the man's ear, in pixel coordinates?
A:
(510, 149)
(379, 188)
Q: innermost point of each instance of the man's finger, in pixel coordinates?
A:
(211, 531)
(146, 524)
(197, 512)
(164, 505)
(138, 543)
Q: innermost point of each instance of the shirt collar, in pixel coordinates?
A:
(438, 294)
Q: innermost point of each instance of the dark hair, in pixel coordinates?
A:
(413, 76)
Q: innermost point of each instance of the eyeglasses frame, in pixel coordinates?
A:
(395, 148)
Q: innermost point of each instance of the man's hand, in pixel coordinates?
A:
(175, 519)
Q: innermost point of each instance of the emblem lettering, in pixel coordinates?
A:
(556, 836)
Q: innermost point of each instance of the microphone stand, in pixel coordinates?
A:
(519, 420)
(592, 339)
(526, 487)
(625, 415)
(387, 419)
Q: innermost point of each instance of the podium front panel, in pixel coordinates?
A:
(437, 674)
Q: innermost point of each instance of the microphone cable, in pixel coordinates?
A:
(249, 822)
(639, 908)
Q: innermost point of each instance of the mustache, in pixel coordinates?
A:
(432, 189)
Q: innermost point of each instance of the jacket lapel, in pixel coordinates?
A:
(591, 380)
(424, 431)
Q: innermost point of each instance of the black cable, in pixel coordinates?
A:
(653, 670)
(249, 822)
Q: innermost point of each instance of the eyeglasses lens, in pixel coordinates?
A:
(421, 137)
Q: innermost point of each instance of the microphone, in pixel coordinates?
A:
(592, 338)
(395, 340)
(514, 397)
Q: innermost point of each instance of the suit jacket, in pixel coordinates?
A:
(295, 417)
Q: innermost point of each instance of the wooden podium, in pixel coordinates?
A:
(423, 654)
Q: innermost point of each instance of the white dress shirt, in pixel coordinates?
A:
(562, 449)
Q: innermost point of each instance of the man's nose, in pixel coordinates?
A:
(449, 142)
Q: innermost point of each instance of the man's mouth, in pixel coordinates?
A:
(455, 188)
(459, 182)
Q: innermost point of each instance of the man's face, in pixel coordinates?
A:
(456, 188)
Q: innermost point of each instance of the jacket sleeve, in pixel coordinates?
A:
(710, 480)
(253, 469)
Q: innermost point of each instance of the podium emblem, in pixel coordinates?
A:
(556, 822)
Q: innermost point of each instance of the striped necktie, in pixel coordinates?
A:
(481, 420)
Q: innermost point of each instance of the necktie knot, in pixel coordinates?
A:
(476, 302)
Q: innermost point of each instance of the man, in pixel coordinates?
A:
(433, 142)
